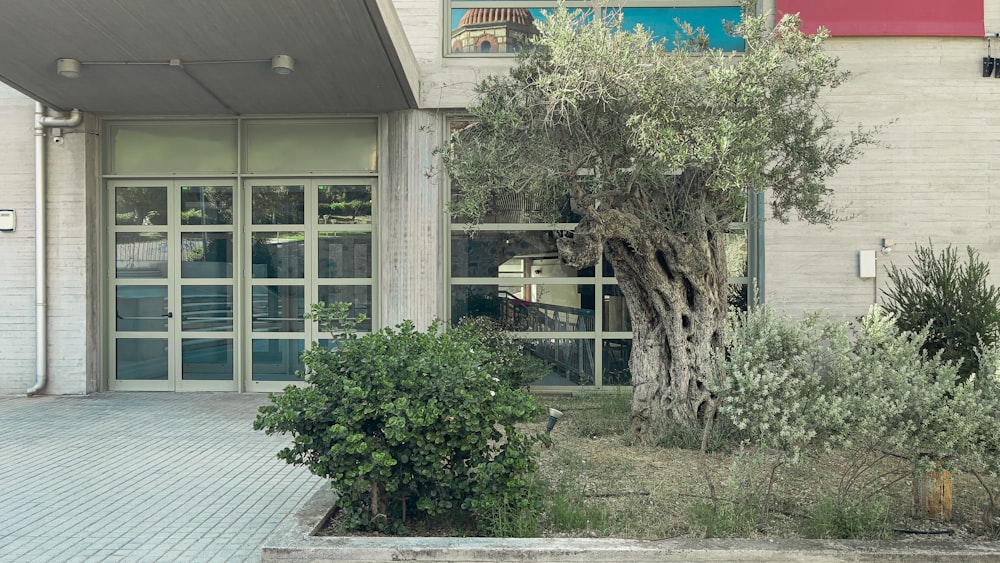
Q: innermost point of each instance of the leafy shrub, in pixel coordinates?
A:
(850, 517)
(407, 424)
(790, 385)
(898, 399)
(987, 383)
(951, 297)
(509, 359)
(774, 392)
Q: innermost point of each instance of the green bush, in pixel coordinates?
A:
(774, 392)
(408, 424)
(509, 358)
(850, 517)
(900, 400)
(876, 394)
(950, 296)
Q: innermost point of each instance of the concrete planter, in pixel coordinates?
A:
(293, 542)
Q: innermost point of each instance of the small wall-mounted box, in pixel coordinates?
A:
(866, 264)
(8, 220)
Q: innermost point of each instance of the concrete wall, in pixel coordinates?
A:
(936, 177)
(445, 82)
(73, 259)
(410, 228)
(17, 249)
(72, 255)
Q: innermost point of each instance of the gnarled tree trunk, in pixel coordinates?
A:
(676, 290)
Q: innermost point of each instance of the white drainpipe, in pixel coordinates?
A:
(42, 121)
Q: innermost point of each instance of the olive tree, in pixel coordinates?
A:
(656, 150)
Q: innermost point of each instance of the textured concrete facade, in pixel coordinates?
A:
(17, 249)
(73, 228)
(935, 178)
(411, 232)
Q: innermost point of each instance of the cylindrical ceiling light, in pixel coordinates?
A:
(282, 64)
(68, 68)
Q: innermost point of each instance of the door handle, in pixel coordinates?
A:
(169, 315)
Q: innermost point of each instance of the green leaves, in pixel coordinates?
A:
(950, 297)
(410, 413)
(791, 384)
(597, 113)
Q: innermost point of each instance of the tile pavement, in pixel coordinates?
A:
(141, 477)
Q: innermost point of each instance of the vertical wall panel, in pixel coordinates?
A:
(73, 258)
(17, 249)
(935, 178)
(409, 221)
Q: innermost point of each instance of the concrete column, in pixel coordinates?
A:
(410, 220)
(74, 235)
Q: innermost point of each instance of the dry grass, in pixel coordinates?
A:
(643, 491)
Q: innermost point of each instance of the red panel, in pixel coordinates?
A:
(960, 18)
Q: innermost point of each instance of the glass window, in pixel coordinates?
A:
(499, 27)
(278, 205)
(311, 146)
(528, 307)
(344, 205)
(616, 317)
(141, 308)
(278, 254)
(141, 255)
(140, 205)
(204, 359)
(278, 308)
(344, 255)
(276, 360)
(359, 296)
(163, 147)
(616, 353)
(206, 308)
(570, 360)
(206, 255)
(141, 359)
(206, 205)
(488, 253)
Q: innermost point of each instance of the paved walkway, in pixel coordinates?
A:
(141, 477)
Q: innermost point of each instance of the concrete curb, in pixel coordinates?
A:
(294, 542)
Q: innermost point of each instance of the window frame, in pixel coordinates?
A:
(450, 5)
(750, 223)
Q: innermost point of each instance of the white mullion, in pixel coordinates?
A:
(173, 286)
(310, 252)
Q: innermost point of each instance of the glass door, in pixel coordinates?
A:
(173, 289)
(277, 291)
(310, 240)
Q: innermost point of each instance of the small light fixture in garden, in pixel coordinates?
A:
(553, 419)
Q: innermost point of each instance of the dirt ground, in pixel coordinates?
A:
(632, 490)
(648, 492)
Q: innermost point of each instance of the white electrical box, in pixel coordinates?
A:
(8, 220)
(866, 264)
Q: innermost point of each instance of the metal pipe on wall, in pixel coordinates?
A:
(41, 240)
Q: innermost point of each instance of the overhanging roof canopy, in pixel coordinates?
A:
(350, 56)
